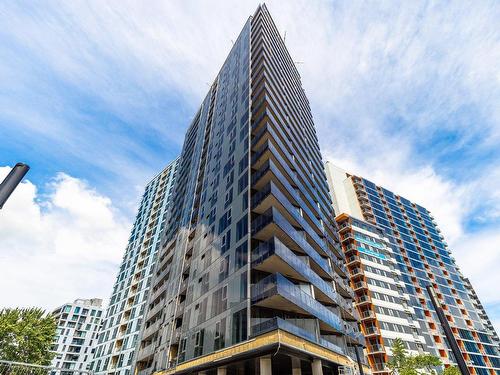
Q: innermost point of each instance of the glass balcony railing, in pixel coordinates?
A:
(276, 247)
(274, 216)
(283, 137)
(292, 175)
(277, 284)
(271, 188)
(278, 323)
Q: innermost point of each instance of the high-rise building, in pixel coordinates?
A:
(382, 301)
(124, 314)
(251, 277)
(438, 304)
(481, 311)
(78, 324)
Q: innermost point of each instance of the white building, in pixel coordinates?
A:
(124, 315)
(77, 326)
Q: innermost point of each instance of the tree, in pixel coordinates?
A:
(452, 370)
(26, 335)
(402, 363)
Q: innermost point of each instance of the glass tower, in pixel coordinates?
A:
(441, 300)
(124, 314)
(251, 277)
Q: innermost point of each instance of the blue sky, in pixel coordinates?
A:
(96, 97)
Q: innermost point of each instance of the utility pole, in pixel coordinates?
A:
(10, 182)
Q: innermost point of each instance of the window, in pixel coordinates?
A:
(243, 163)
(225, 242)
(224, 221)
(239, 326)
(219, 301)
(219, 335)
(241, 256)
(228, 198)
(242, 228)
(198, 343)
(242, 183)
(224, 269)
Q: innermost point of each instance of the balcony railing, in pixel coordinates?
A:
(372, 330)
(274, 216)
(276, 247)
(276, 284)
(376, 348)
(278, 323)
(367, 314)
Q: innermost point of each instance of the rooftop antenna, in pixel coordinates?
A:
(284, 37)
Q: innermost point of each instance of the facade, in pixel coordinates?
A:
(381, 298)
(481, 311)
(251, 277)
(78, 324)
(440, 304)
(124, 315)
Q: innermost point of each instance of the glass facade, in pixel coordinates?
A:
(251, 252)
(124, 316)
(428, 270)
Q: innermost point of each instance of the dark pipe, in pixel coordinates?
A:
(462, 366)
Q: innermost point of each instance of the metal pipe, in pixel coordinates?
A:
(462, 365)
(10, 182)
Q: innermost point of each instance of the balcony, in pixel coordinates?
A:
(273, 223)
(272, 196)
(357, 272)
(372, 331)
(262, 178)
(360, 285)
(353, 260)
(343, 286)
(347, 237)
(375, 349)
(145, 352)
(155, 310)
(153, 328)
(277, 292)
(367, 315)
(271, 129)
(285, 325)
(363, 300)
(274, 256)
(379, 367)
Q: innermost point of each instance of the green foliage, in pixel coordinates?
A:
(452, 370)
(403, 363)
(26, 335)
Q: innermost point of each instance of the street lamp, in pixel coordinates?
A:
(11, 181)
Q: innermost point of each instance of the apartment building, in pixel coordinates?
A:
(124, 314)
(78, 324)
(381, 298)
(448, 319)
(251, 277)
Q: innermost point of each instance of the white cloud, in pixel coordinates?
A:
(60, 246)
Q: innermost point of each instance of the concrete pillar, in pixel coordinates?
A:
(265, 365)
(221, 371)
(317, 369)
(296, 370)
